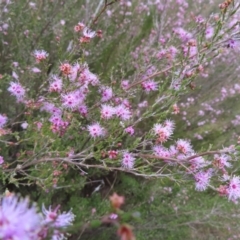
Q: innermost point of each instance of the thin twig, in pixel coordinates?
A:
(106, 4)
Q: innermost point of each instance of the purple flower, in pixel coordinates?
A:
(123, 112)
(1, 160)
(107, 94)
(3, 120)
(96, 130)
(83, 109)
(202, 180)
(107, 111)
(128, 160)
(17, 90)
(18, 219)
(55, 84)
(231, 43)
(56, 219)
(234, 188)
(149, 86)
(72, 100)
(129, 130)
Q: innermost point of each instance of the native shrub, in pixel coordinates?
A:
(90, 90)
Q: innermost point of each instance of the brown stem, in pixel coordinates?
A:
(106, 4)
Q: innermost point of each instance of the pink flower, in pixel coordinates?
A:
(79, 27)
(40, 55)
(231, 43)
(202, 180)
(17, 90)
(161, 151)
(161, 54)
(129, 130)
(233, 189)
(87, 35)
(24, 125)
(50, 108)
(172, 52)
(86, 77)
(14, 75)
(74, 72)
(183, 34)
(66, 68)
(107, 111)
(36, 70)
(123, 112)
(112, 154)
(183, 146)
(197, 162)
(149, 86)
(72, 100)
(3, 120)
(83, 109)
(169, 124)
(56, 84)
(221, 161)
(56, 219)
(163, 132)
(209, 32)
(58, 125)
(107, 94)
(128, 160)
(113, 216)
(96, 130)
(124, 84)
(1, 160)
(19, 219)
(173, 151)
(39, 125)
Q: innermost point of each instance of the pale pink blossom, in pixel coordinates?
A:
(73, 99)
(87, 35)
(86, 77)
(55, 84)
(122, 112)
(1, 160)
(17, 90)
(222, 161)
(107, 111)
(202, 180)
(149, 86)
(79, 27)
(129, 130)
(107, 93)
(128, 160)
(36, 70)
(161, 151)
(40, 55)
(183, 146)
(83, 109)
(233, 190)
(3, 120)
(163, 132)
(96, 130)
(125, 84)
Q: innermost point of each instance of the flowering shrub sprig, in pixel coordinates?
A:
(78, 114)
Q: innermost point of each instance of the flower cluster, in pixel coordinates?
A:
(21, 220)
